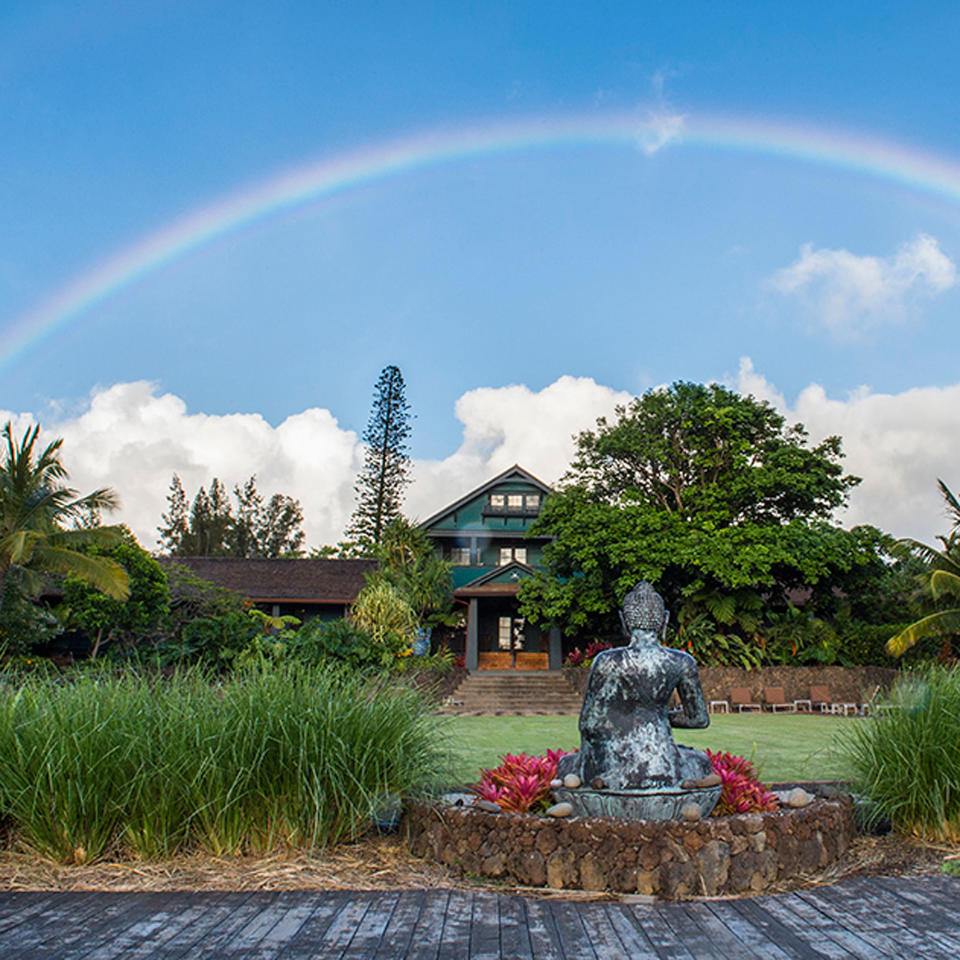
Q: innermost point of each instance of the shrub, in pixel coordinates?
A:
(584, 658)
(261, 760)
(741, 790)
(520, 783)
(906, 757)
(342, 641)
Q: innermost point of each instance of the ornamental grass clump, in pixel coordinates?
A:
(520, 783)
(266, 759)
(906, 757)
(741, 789)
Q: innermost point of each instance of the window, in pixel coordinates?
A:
(532, 501)
(514, 501)
(509, 554)
(505, 633)
(460, 556)
(497, 501)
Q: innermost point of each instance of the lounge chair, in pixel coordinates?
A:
(822, 701)
(742, 699)
(774, 698)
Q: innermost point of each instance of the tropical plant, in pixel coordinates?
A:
(520, 783)
(741, 790)
(941, 581)
(383, 611)
(905, 757)
(386, 466)
(35, 509)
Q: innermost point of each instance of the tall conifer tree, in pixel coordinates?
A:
(386, 468)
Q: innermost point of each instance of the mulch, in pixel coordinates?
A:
(385, 863)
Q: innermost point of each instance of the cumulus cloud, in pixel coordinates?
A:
(898, 443)
(133, 437)
(849, 293)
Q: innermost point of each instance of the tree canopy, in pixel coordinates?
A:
(708, 494)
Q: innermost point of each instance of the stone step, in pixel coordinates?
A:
(509, 693)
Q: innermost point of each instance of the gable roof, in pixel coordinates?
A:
(303, 581)
(500, 582)
(516, 472)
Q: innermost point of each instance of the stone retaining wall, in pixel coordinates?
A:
(718, 855)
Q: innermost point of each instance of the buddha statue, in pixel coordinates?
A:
(625, 722)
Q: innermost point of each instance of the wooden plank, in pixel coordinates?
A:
(485, 927)
(751, 938)
(809, 917)
(785, 936)
(926, 894)
(455, 936)
(574, 940)
(688, 931)
(600, 929)
(234, 912)
(857, 914)
(544, 937)
(272, 928)
(649, 919)
(636, 944)
(427, 932)
(396, 938)
(369, 932)
(812, 933)
(17, 907)
(514, 931)
(49, 923)
(303, 944)
(938, 925)
(352, 908)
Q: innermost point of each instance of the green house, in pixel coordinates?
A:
(484, 536)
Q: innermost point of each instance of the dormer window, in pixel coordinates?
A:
(532, 501)
(509, 554)
(497, 501)
(514, 501)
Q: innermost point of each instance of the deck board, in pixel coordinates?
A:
(863, 918)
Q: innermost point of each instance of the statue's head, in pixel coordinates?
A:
(643, 609)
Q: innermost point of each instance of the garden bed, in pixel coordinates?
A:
(719, 855)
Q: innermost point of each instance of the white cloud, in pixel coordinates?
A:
(899, 444)
(660, 128)
(132, 437)
(849, 293)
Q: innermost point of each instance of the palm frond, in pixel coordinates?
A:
(952, 502)
(943, 583)
(934, 558)
(946, 621)
(101, 572)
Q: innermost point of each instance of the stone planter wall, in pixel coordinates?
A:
(847, 684)
(718, 855)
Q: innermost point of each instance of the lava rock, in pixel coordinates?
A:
(597, 783)
(560, 810)
(691, 811)
(571, 781)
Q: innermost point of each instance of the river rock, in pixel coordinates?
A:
(571, 781)
(798, 797)
(555, 783)
(710, 780)
(560, 810)
(691, 811)
(488, 806)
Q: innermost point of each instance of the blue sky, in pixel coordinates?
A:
(587, 260)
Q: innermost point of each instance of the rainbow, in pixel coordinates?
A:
(915, 169)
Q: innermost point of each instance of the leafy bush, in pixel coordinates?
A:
(906, 757)
(584, 658)
(741, 790)
(262, 760)
(520, 783)
(340, 640)
(382, 611)
(24, 624)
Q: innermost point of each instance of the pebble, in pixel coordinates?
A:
(560, 810)
(691, 811)
(571, 781)
(710, 780)
(597, 783)
(798, 797)
(488, 805)
(555, 783)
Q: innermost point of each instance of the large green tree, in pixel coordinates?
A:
(37, 510)
(386, 467)
(706, 493)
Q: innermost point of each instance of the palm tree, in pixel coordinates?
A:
(942, 580)
(35, 506)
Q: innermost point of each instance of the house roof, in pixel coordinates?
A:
(501, 582)
(279, 581)
(516, 472)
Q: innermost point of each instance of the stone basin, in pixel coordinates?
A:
(651, 804)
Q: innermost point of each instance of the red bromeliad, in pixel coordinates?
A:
(741, 791)
(520, 783)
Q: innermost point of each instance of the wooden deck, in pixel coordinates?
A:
(862, 918)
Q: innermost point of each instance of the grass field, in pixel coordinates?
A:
(784, 747)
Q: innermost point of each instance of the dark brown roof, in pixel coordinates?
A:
(303, 581)
(487, 590)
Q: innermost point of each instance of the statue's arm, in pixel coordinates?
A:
(694, 713)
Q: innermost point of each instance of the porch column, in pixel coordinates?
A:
(556, 649)
(473, 646)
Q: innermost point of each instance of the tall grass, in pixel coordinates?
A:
(282, 757)
(906, 758)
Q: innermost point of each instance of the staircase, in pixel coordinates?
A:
(513, 693)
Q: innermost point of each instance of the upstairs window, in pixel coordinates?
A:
(514, 501)
(497, 501)
(532, 501)
(509, 554)
(460, 556)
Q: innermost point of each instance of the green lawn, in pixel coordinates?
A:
(784, 747)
